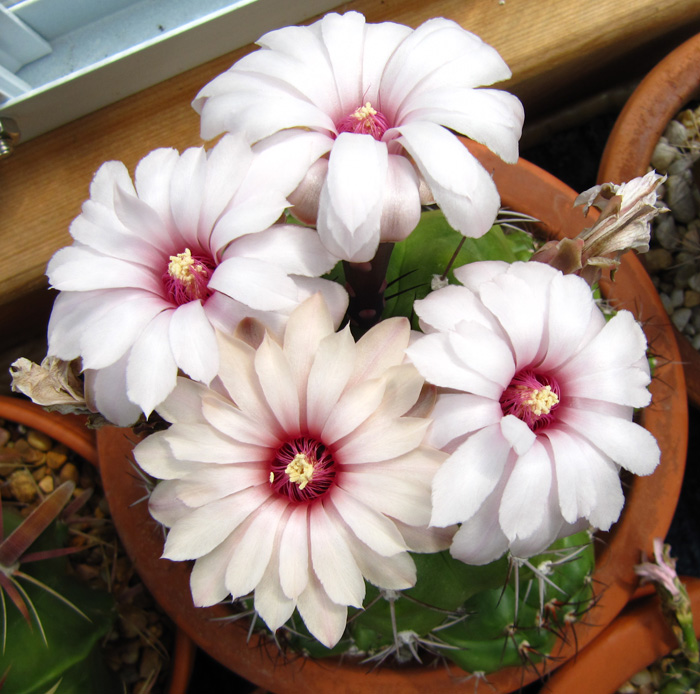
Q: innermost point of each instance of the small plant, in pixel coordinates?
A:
(48, 641)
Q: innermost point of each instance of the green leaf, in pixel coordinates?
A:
(428, 250)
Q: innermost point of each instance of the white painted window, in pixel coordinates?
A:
(61, 59)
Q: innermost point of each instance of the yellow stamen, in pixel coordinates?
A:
(542, 401)
(183, 266)
(364, 112)
(300, 470)
(272, 477)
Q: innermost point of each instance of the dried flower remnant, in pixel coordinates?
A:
(624, 224)
(54, 384)
(675, 602)
(537, 417)
(304, 474)
(380, 103)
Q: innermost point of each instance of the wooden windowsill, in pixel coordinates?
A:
(552, 46)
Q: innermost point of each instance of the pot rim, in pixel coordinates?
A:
(650, 502)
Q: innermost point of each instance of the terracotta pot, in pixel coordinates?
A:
(661, 95)
(73, 433)
(649, 508)
(637, 638)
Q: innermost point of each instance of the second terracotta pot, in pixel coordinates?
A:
(673, 83)
(649, 506)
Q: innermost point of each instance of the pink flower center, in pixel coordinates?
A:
(302, 470)
(187, 277)
(365, 120)
(531, 397)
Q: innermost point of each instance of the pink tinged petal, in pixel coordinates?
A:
(401, 206)
(298, 149)
(324, 618)
(457, 414)
(395, 572)
(343, 38)
(230, 421)
(202, 443)
(391, 493)
(480, 349)
(607, 365)
(480, 540)
(277, 382)
(570, 308)
(309, 325)
(184, 404)
(334, 295)
(143, 222)
(445, 309)
(468, 476)
(294, 553)
(270, 602)
(542, 537)
(105, 390)
(575, 487)
(297, 250)
(439, 53)
(462, 188)
(208, 526)
(332, 560)
(382, 439)
(227, 166)
(193, 342)
(403, 388)
(152, 181)
(255, 539)
(99, 229)
(351, 200)
(492, 117)
(255, 283)
(354, 407)
(518, 434)
(298, 56)
(164, 504)
(80, 269)
(374, 529)
(435, 357)
(151, 372)
(187, 186)
(473, 275)
(155, 456)
(208, 577)
(625, 442)
(425, 540)
(306, 196)
(209, 483)
(327, 377)
(250, 215)
(109, 336)
(379, 348)
(258, 106)
(237, 373)
(602, 476)
(109, 177)
(381, 40)
(526, 494)
(74, 312)
(521, 312)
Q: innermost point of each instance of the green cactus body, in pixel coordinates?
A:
(482, 618)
